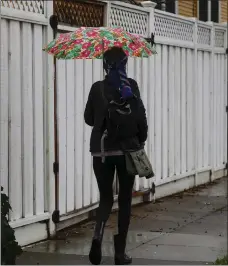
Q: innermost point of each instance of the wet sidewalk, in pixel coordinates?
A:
(187, 228)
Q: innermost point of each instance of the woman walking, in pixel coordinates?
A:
(108, 150)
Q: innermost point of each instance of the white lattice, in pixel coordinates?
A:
(133, 21)
(173, 28)
(203, 35)
(219, 38)
(35, 6)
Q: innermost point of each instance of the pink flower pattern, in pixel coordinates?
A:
(91, 43)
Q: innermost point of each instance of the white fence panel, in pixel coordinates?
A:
(170, 105)
(22, 161)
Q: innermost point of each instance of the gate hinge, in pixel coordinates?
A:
(226, 166)
(55, 167)
(227, 108)
(55, 216)
(226, 50)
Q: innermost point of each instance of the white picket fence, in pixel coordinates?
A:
(183, 88)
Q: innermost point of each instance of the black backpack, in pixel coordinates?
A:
(121, 117)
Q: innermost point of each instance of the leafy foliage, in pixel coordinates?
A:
(222, 261)
(9, 246)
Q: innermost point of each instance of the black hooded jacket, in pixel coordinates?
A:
(94, 116)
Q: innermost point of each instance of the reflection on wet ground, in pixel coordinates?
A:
(188, 228)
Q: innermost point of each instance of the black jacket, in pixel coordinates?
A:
(95, 113)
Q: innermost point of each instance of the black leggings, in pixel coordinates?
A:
(104, 173)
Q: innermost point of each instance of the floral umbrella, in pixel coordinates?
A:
(91, 43)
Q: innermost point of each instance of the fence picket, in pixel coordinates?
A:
(27, 118)
(164, 111)
(4, 104)
(158, 109)
(199, 116)
(171, 101)
(190, 111)
(70, 119)
(87, 160)
(61, 94)
(15, 154)
(79, 121)
(177, 116)
(183, 114)
(39, 120)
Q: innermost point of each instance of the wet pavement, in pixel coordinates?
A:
(188, 228)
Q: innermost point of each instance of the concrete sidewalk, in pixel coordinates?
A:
(188, 228)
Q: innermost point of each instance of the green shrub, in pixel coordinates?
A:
(222, 261)
(9, 246)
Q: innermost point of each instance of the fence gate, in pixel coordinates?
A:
(76, 187)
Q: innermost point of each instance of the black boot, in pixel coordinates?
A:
(95, 253)
(121, 258)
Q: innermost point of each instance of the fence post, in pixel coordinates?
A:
(212, 148)
(107, 13)
(50, 193)
(195, 98)
(150, 6)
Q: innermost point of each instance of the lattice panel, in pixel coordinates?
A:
(203, 35)
(80, 13)
(219, 38)
(130, 20)
(35, 6)
(173, 29)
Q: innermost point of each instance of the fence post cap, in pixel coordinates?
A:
(210, 23)
(148, 4)
(193, 19)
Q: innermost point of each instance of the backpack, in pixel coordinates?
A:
(121, 118)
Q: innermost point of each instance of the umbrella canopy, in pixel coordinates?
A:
(91, 43)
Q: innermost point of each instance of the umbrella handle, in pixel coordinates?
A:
(151, 39)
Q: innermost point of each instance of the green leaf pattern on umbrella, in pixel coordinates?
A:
(91, 43)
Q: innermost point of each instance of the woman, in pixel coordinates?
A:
(117, 86)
